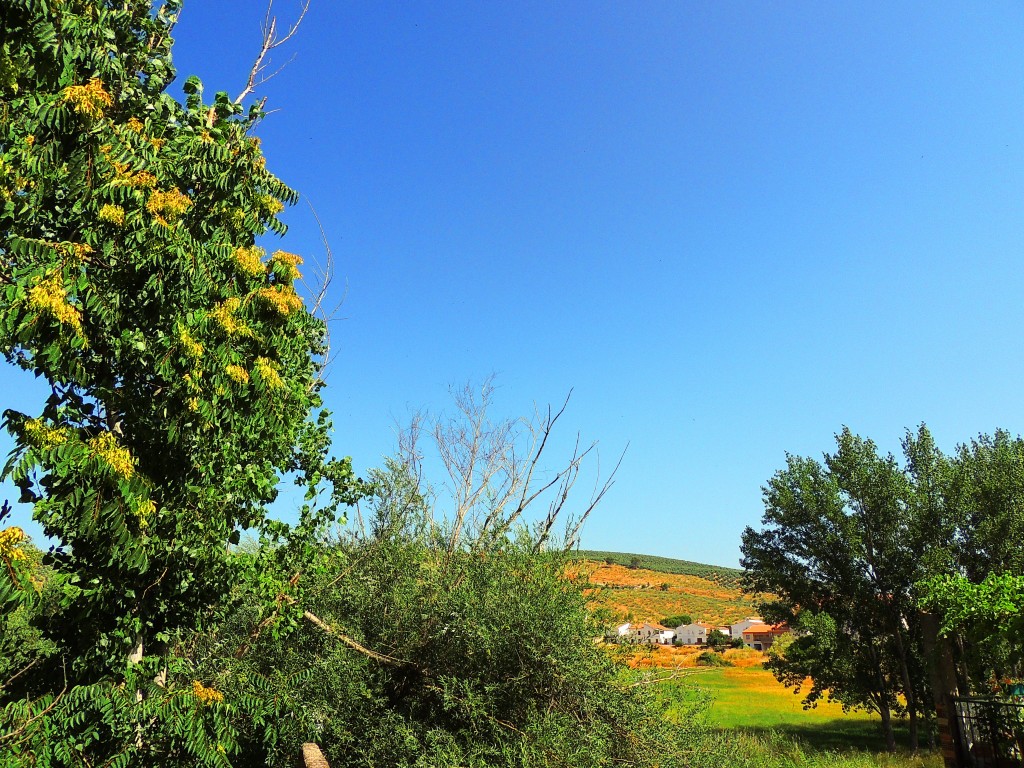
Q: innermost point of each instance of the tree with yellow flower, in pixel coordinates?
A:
(183, 364)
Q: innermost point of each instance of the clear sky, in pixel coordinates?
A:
(729, 228)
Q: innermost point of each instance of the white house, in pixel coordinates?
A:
(649, 633)
(737, 630)
(618, 634)
(697, 633)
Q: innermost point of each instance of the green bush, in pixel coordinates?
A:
(712, 659)
(480, 658)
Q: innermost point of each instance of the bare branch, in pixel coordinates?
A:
(271, 40)
(572, 534)
(323, 625)
(324, 276)
(676, 673)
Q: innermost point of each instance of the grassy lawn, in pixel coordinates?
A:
(749, 701)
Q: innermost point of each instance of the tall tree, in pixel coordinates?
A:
(837, 549)
(182, 364)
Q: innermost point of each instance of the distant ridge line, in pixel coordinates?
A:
(717, 573)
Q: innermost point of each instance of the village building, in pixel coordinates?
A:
(696, 633)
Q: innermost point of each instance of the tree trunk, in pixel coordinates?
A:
(883, 701)
(908, 689)
(890, 736)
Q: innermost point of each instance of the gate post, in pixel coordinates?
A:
(942, 674)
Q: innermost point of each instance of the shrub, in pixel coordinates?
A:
(712, 659)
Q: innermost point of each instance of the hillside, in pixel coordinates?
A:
(673, 588)
(728, 577)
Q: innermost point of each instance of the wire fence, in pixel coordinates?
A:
(991, 732)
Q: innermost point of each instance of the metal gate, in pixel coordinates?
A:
(991, 732)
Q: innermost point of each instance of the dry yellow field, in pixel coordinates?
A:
(640, 595)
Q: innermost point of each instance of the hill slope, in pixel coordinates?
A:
(663, 587)
(728, 577)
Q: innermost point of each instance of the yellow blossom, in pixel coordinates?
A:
(49, 298)
(238, 373)
(112, 214)
(75, 251)
(167, 206)
(134, 124)
(250, 260)
(206, 137)
(282, 298)
(158, 144)
(10, 543)
(42, 436)
(271, 204)
(267, 371)
(192, 347)
(206, 696)
(116, 456)
(89, 100)
(30, 140)
(143, 180)
(290, 262)
(224, 316)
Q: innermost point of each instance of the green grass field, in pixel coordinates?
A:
(770, 719)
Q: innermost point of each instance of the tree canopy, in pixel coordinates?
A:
(852, 545)
(182, 364)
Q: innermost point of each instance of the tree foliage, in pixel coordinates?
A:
(183, 366)
(839, 549)
(852, 545)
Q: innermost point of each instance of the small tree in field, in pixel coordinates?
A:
(183, 370)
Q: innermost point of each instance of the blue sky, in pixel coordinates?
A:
(729, 228)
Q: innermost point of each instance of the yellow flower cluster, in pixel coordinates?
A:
(192, 347)
(206, 137)
(30, 140)
(117, 457)
(10, 543)
(89, 100)
(238, 373)
(142, 180)
(134, 124)
(224, 316)
(42, 436)
(250, 260)
(267, 371)
(271, 205)
(124, 174)
(282, 298)
(112, 214)
(158, 144)
(206, 695)
(167, 206)
(49, 297)
(290, 261)
(143, 511)
(75, 251)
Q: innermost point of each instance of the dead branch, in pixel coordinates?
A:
(324, 276)
(676, 673)
(573, 529)
(381, 657)
(271, 41)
